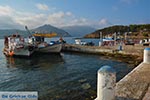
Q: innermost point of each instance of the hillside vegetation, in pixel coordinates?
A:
(142, 30)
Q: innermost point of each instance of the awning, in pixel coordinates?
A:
(47, 35)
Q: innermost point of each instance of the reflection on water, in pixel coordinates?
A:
(56, 77)
(39, 60)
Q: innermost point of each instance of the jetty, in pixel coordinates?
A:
(137, 49)
(136, 84)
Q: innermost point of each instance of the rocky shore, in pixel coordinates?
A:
(133, 55)
(135, 85)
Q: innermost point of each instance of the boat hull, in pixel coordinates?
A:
(18, 52)
(23, 52)
(56, 48)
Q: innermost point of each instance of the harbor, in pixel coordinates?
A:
(47, 66)
(63, 58)
(74, 50)
(135, 85)
(71, 55)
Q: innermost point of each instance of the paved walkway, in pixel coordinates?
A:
(147, 95)
(135, 85)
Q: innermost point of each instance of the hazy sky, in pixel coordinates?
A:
(59, 13)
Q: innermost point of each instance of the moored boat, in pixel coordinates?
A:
(49, 48)
(45, 47)
(16, 45)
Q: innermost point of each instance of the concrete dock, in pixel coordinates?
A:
(126, 49)
(136, 84)
(128, 52)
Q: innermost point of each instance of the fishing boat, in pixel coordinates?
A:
(16, 45)
(45, 47)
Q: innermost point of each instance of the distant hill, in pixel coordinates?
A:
(7, 32)
(142, 29)
(41, 29)
(78, 31)
(50, 29)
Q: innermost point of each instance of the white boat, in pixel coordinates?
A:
(15, 45)
(45, 47)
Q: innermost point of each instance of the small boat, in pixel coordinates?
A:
(45, 47)
(16, 45)
(49, 48)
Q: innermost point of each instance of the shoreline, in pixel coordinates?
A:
(132, 55)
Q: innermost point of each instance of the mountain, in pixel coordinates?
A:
(49, 29)
(7, 32)
(134, 30)
(41, 29)
(78, 31)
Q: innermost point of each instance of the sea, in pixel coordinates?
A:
(64, 76)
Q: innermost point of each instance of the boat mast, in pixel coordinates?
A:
(28, 30)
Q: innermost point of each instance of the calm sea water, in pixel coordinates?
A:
(68, 76)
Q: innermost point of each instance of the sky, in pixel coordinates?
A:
(15, 14)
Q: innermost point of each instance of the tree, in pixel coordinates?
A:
(145, 34)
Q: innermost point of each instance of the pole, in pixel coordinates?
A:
(147, 55)
(101, 38)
